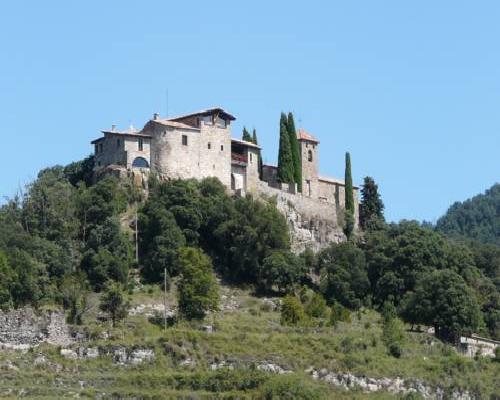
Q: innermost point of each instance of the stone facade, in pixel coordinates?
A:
(199, 145)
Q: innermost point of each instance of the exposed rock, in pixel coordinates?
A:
(151, 310)
(24, 328)
(273, 368)
(121, 355)
(229, 303)
(395, 385)
(8, 365)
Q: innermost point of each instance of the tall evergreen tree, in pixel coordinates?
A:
(254, 137)
(371, 209)
(246, 135)
(256, 142)
(285, 160)
(294, 144)
(349, 198)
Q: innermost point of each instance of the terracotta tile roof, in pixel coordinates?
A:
(303, 135)
(134, 133)
(206, 112)
(336, 181)
(244, 143)
(174, 124)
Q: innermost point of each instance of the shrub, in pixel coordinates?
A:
(316, 307)
(292, 311)
(395, 349)
(198, 290)
(339, 314)
(291, 386)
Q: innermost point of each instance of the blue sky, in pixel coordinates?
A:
(411, 89)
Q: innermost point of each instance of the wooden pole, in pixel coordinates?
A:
(165, 298)
(136, 238)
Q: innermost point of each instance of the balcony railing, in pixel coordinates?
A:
(239, 158)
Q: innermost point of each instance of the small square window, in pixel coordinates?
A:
(221, 147)
(184, 140)
(141, 144)
(209, 145)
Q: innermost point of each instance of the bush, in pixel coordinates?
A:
(198, 290)
(339, 314)
(291, 386)
(292, 311)
(395, 349)
(316, 307)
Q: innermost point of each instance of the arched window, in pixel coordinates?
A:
(140, 162)
(309, 155)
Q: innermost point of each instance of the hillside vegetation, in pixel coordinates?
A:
(477, 218)
(357, 307)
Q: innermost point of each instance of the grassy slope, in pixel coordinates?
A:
(247, 336)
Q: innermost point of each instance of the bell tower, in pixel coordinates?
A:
(309, 159)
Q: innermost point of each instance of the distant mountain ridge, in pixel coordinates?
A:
(477, 218)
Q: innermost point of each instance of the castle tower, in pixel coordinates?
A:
(308, 145)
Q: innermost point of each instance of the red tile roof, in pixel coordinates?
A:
(303, 135)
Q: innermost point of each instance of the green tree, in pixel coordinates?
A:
(448, 304)
(285, 155)
(393, 335)
(6, 280)
(349, 198)
(344, 275)
(256, 142)
(254, 137)
(316, 306)
(74, 292)
(294, 144)
(371, 209)
(243, 241)
(292, 311)
(283, 269)
(113, 302)
(160, 239)
(198, 290)
(246, 135)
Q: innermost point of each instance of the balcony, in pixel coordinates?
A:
(240, 159)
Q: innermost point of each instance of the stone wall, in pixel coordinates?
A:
(313, 224)
(24, 327)
(207, 152)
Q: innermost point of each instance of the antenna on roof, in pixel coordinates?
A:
(166, 96)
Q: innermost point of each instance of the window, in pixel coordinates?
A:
(141, 144)
(250, 157)
(309, 155)
(184, 140)
(117, 143)
(96, 148)
(209, 145)
(100, 148)
(140, 162)
(221, 147)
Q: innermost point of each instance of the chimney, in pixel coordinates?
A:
(113, 127)
(156, 116)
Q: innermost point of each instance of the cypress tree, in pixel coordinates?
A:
(246, 135)
(294, 143)
(371, 209)
(256, 142)
(285, 160)
(349, 198)
(254, 137)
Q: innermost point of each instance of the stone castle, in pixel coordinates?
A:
(200, 145)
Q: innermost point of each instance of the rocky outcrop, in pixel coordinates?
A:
(24, 328)
(312, 223)
(121, 355)
(397, 386)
